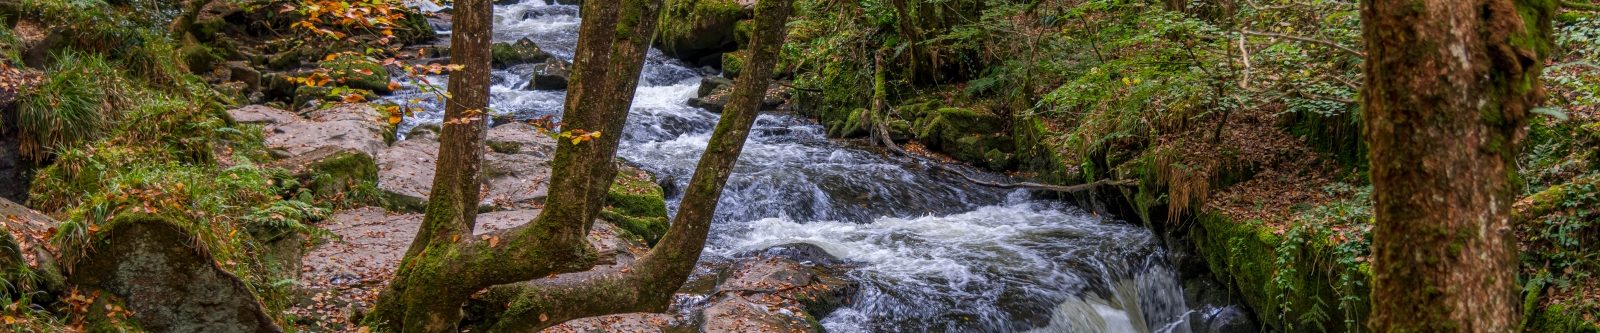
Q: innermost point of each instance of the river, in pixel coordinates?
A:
(932, 252)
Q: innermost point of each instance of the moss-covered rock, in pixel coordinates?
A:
(170, 284)
(636, 204)
(335, 173)
(973, 135)
(358, 72)
(1298, 295)
(733, 64)
(524, 51)
(691, 29)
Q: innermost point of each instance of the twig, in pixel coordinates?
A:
(1327, 43)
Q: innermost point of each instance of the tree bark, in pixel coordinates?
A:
(648, 284)
(1449, 86)
(613, 40)
(446, 264)
(411, 303)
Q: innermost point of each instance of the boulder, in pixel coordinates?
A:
(516, 169)
(25, 248)
(523, 51)
(715, 91)
(781, 289)
(693, 29)
(332, 172)
(359, 72)
(168, 283)
(354, 126)
(712, 84)
(735, 313)
(637, 204)
(550, 75)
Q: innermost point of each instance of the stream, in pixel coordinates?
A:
(933, 252)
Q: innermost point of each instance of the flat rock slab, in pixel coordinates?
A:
(516, 169)
(353, 126)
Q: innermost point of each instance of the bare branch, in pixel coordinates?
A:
(1322, 42)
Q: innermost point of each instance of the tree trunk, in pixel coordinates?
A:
(648, 284)
(1449, 87)
(453, 202)
(446, 264)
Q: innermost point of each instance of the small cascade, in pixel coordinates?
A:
(932, 252)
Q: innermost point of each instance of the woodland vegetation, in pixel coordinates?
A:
(1328, 165)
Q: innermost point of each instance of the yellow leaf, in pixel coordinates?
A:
(394, 119)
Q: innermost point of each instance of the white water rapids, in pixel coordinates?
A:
(932, 252)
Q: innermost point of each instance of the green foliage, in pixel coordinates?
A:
(68, 108)
(286, 217)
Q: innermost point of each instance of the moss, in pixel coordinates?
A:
(1558, 318)
(733, 64)
(1244, 255)
(200, 58)
(358, 72)
(342, 175)
(637, 204)
(524, 51)
(691, 27)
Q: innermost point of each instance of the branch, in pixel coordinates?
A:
(1308, 40)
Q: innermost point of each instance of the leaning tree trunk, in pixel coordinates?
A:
(649, 283)
(1449, 87)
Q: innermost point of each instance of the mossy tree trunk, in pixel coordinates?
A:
(1449, 87)
(447, 264)
(649, 283)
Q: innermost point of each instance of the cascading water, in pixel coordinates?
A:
(932, 252)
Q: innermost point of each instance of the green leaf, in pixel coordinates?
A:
(1554, 112)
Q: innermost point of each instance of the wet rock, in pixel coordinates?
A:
(241, 71)
(736, 313)
(1230, 319)
(550, 75)
(523, 51)
(516, 169)
(714, 95)
(169, 284)
(781, 289)
(714, 103)
(712, 84)
(354, 126)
